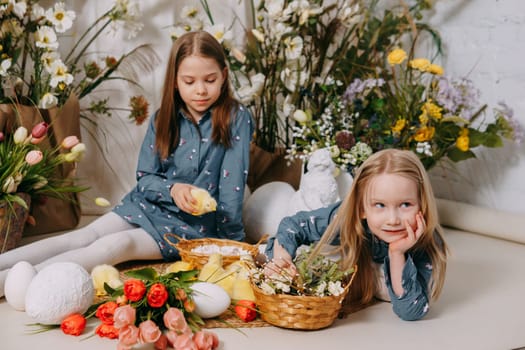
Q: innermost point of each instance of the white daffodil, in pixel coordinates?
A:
(189, 12)
(9, 185)
(293, 78)
(220, 33)
(293, 47)
(48, 101)
(127, 15)
(4, 67)
(238, 55)
(61, 18)
(59, 74)
(42, 181)
(46, 38)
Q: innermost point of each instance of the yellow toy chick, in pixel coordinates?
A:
(105, 274)
(205, 202)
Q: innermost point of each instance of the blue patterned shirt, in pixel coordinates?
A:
(197, 161)
(306, 227)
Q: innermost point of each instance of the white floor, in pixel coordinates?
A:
(482, 307)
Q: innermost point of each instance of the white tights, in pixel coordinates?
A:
(107, 240)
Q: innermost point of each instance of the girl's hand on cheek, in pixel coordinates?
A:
(407, 242)
(181, 194)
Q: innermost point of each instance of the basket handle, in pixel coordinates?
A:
(262, 240)
(167, 239)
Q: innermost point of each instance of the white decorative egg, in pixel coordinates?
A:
(16, 283)
(57, 291)
(210, 299)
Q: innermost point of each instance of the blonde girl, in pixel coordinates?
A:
(387, 225)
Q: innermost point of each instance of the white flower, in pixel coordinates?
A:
(266, 288)
(239, 56)
(293, 47)
(37, 12)
(59, 74)
(319, 291)
(258, 35)
(4, 67)
(48, 59)
(177, 32)
(46, 38)
(42, 181)
(19, 8)
(300, 116)
(250, 90)
(293, 79)
(127, 15)
(61, 19)
(335, 288)
(48, 101)
(220, 33)
(424, 147)
(274, 8)
(189, 12)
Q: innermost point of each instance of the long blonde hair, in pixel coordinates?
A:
(348, 224)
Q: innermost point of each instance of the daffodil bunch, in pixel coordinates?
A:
(25, 167)
(412, 105)
(35, 70)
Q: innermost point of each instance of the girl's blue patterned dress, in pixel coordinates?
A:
(197, 161)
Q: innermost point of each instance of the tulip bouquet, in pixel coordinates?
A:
(25, 167)
(150, 308)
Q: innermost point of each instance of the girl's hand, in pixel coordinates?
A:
(181, 194)
(403, 244)
(281, 263)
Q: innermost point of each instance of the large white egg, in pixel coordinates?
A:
(210, 299)
(57, 291)
(16, 283)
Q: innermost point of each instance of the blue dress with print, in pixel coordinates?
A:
(197, 161)
(306, 227)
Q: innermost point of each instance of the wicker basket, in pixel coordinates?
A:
(298, 311)
(185, 247)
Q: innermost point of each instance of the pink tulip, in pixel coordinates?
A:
(39, 130)
(205, 340)
(70, 142)
(149, 332)
(184, 341)
(128, 335)
(124, 316)
(36, 141)
(2, 136)
(174, 319)
(34, 157)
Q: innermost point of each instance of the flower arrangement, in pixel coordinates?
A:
(34, 72)
(150, 308)
(27, 168)
(411, 105)
(295, 48)
(316, 276)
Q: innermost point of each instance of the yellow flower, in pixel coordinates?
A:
(423, 118)
(421, 64)
(396, 56)
(462, 142)
(435, 69)
(400, 125)
(424, 134)
(432, 109)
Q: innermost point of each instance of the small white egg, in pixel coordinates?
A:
(16, 283)
(210, 299)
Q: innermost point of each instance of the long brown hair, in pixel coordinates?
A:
(354, 249)
(202, 44)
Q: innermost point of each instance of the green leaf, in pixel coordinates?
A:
(145, 274)
(457, 155)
